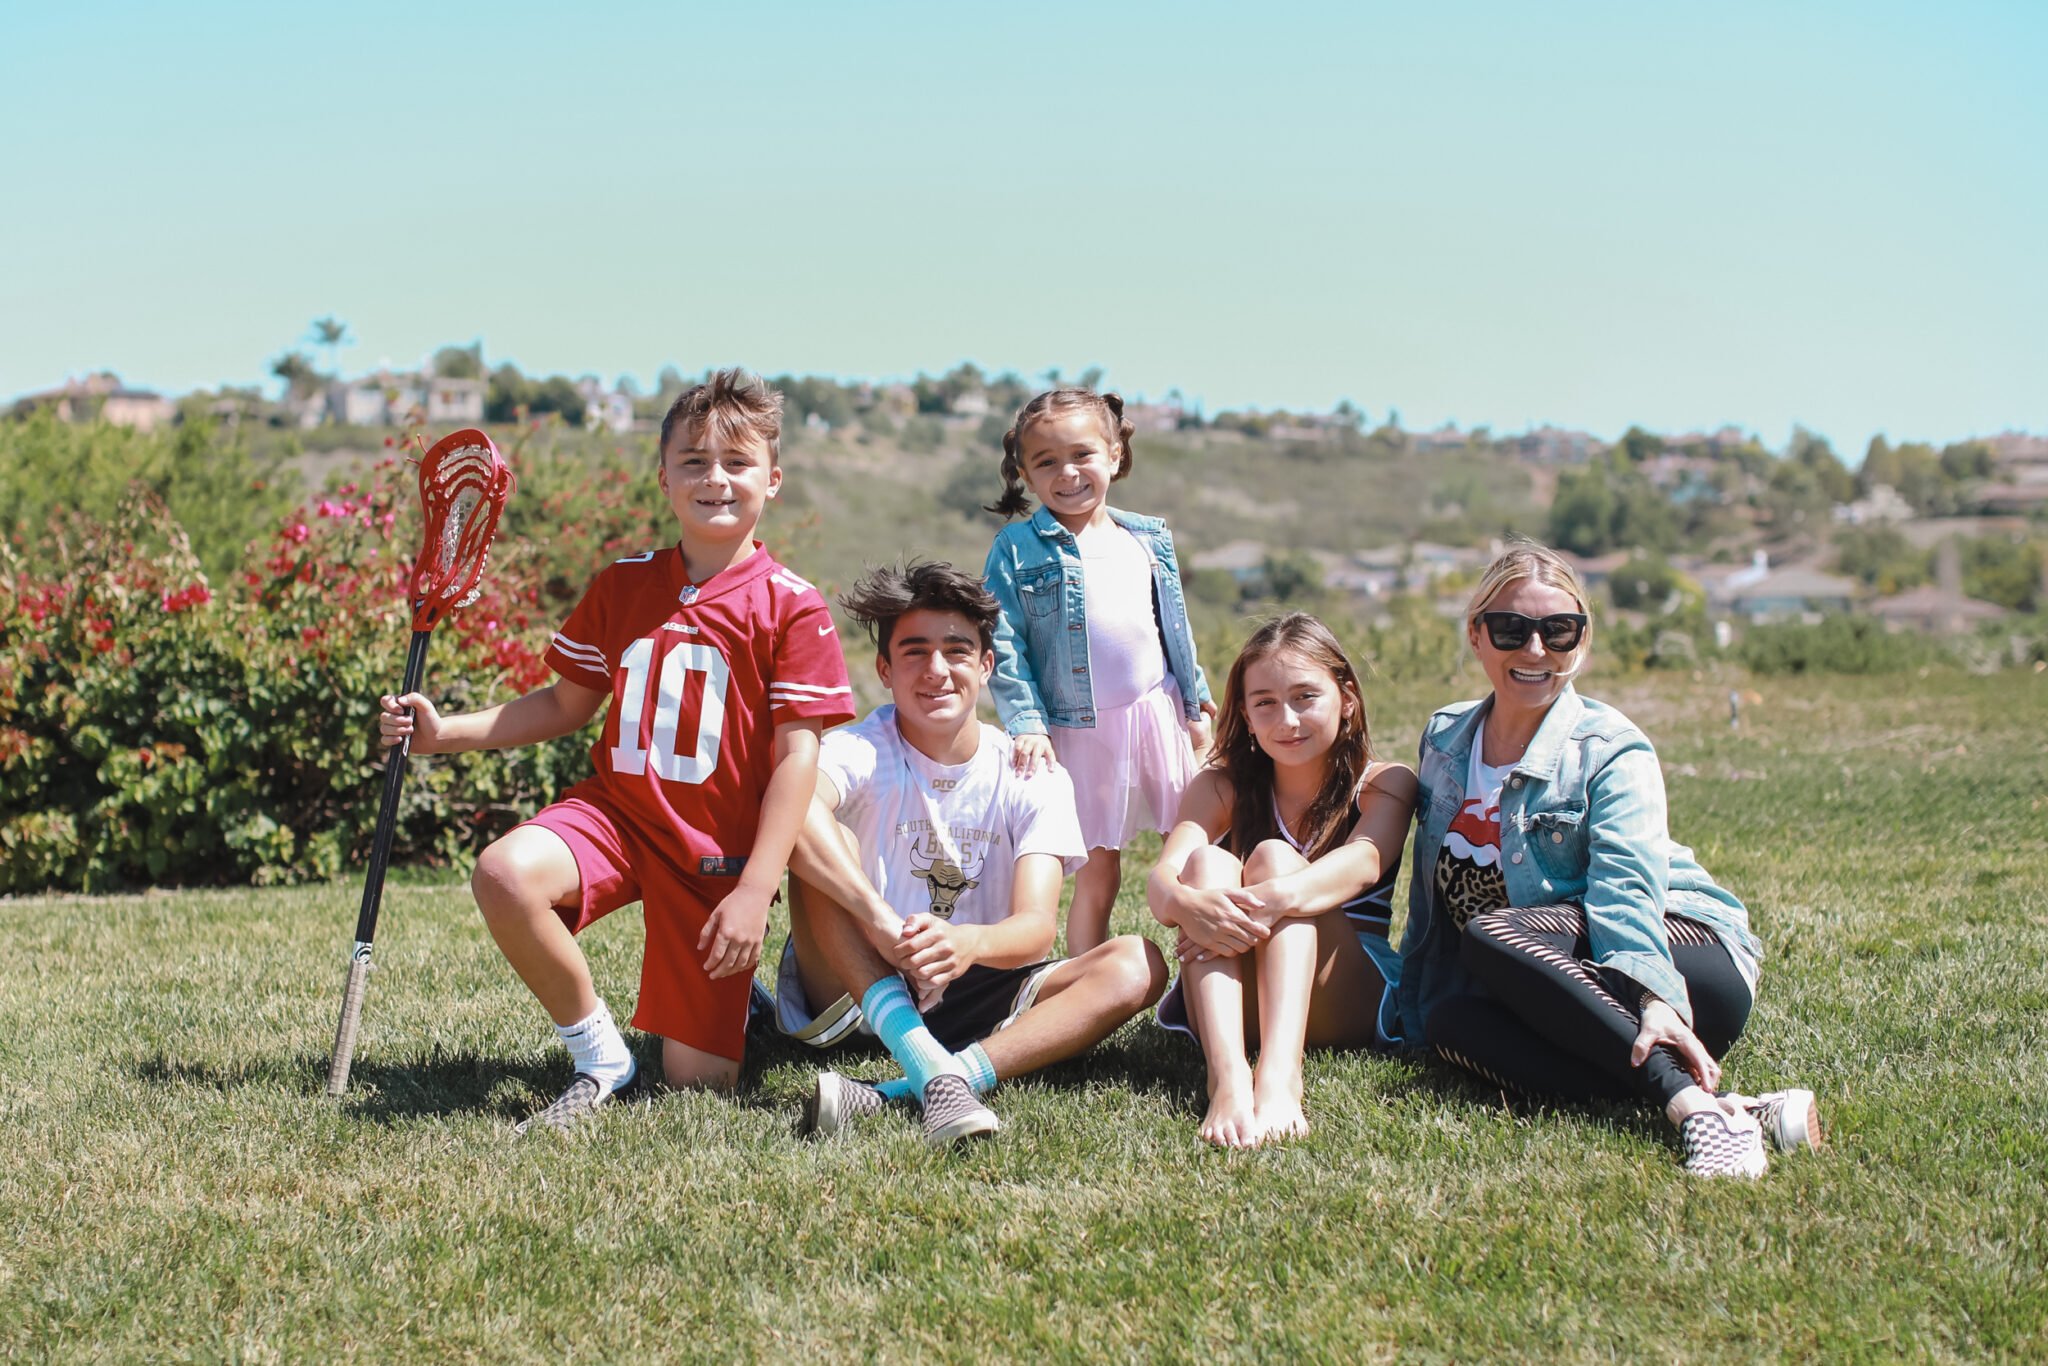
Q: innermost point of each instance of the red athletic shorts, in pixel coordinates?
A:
(678, 999)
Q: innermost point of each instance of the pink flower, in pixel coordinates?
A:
(297, 533)
(195, 595)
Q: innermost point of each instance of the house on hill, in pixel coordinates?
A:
(1594, 570)
(103, 397)
(1444, 438)
(1882, 506)
(1549, 445)
(1242, 560)
(604, 409)
(1793, 593)
(1155, 417)
(1935, 611)
(455, 402)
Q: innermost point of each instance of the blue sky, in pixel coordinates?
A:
(1503, 214)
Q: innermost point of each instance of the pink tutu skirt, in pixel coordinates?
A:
(1129, 769)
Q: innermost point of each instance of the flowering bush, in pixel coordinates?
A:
(160, 725)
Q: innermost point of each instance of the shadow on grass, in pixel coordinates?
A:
(444, 1083)
(1434, 1077)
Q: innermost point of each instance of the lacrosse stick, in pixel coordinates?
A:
(463, 483)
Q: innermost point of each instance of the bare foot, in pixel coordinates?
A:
(1279, 1113)
(1231, 1121)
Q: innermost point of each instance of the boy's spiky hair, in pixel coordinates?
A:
(882, 596)
(731, 406)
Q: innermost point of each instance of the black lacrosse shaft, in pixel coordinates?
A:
(387, 812)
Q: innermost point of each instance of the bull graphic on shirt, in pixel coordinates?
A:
(942, 877)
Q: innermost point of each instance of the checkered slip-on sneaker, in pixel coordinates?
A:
(1790, 1119)
(1714, 1147)
(952, 1112)
(837, 1101)
(582, 1098)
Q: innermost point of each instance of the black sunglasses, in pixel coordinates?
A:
(1561, 631)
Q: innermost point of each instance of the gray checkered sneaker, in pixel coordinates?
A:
(1714, 1147)
(837, 1101)
(953, 1112)
(1790, 1119)
(577, 1103)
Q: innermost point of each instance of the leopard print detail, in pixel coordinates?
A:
(1466, 889)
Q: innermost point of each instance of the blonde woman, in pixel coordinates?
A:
(1559, 943)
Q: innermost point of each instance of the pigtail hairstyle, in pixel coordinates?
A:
(1250, 769)
(1119, 429)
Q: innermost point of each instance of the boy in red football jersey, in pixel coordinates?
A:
(722, 668)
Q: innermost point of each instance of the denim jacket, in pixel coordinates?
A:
(1041, 678)
(1581, 820)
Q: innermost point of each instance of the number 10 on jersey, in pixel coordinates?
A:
(683, 659)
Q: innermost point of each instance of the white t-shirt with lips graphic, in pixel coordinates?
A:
(1469, 878)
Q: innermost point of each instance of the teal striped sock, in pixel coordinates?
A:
(981, 1076)
(893, 1015)
(981, 1073)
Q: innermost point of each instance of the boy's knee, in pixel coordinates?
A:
(1135, 972)
(1271, 859)
(690, 1069)
(497, 877)
(518, 873)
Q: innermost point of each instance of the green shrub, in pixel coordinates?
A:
(160, 726)
(213, 488)
(1835, 644)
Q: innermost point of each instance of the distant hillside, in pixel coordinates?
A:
(871, 500)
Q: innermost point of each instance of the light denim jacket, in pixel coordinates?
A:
(1041, 679)
(1581, 820)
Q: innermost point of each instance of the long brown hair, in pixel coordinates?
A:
(1250, 769)
(1119, 429)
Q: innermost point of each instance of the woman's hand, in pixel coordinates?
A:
(1027, 752)
(1213, 925)
(1662, 1027)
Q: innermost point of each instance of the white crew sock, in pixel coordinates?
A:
(599, 1049)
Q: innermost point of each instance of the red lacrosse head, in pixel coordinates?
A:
(463, 483)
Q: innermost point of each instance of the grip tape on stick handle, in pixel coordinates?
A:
(345, 1032)
(373, 884)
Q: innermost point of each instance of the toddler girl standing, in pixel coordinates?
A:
(1095, 663)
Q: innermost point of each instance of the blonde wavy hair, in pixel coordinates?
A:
(1525, 559)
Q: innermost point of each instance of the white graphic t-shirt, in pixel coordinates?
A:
(945, 838)
(1469, 880)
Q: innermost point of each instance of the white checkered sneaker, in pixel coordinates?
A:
(1790, 1119)
(952, 1112)
(837, 1101)
(1715, 1147)
(577, 1103)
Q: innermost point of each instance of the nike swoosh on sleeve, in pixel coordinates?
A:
(825, 630)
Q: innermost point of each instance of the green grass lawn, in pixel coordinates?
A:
(174, 1183)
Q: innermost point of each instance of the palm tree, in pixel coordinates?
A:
(297, 373)
(332, 333)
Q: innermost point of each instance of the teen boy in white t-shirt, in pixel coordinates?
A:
(925, 884)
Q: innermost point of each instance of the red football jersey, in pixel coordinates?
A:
(699, 676)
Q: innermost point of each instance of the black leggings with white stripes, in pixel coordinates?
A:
(1553, 1024)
